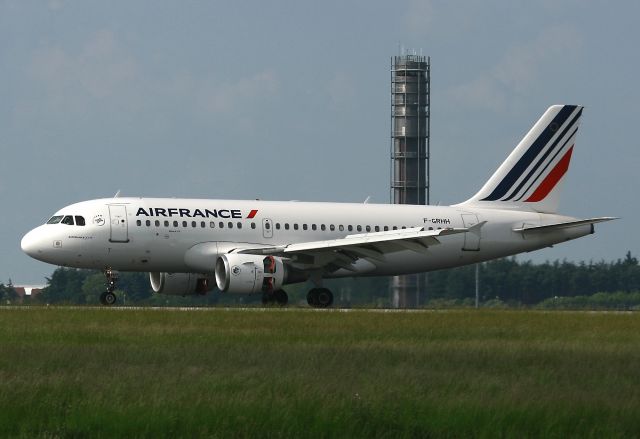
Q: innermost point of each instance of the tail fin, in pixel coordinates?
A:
(529, 179)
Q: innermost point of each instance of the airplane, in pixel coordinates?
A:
(190, 246)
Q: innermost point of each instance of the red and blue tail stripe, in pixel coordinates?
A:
(529, 178)
(530, 169)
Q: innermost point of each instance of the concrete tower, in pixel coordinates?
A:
(410, 111)
(410, 134)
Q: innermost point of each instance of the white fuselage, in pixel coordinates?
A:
(156, 234)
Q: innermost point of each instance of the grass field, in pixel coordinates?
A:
(300, 373)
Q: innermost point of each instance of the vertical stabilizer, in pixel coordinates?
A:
(531, 177)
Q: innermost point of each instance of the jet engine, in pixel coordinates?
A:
(240, 273)
(180, 284)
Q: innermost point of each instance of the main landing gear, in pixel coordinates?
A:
(109, 298)
(320, 297)
(279, 296)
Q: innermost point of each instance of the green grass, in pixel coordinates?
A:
(296, 373)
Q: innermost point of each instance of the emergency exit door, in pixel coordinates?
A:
(267, 228)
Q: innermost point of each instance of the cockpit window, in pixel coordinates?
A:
(55, 219)
(68, 220)
(79, 220)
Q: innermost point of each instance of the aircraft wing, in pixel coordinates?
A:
(565, 225)
(343, 252)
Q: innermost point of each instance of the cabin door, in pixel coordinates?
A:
(118, 223)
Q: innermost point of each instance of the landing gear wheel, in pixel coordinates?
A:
(320, 297)
(108, 298)
(325, 298)
(281, 297)
(267, 298)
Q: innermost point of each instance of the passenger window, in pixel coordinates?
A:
(203, 224)
(368, 228)
(166, 223)
(395, 227)
(239, 224)
(157, 223)
(295, 226)
(341, 228)
(277, 226)
(253, 225)
(332, 227)
(79, 220)
(175, 224)
(267, 225)
(359, 228)
(230, 224)
(194, 224)
(313, 227)
(323, 227)
(304, 227)
(377, 228)
(55, 219)
(221, 225)
(138, 223)
(184, 224)
(350, 228)
(286, 226)
(68, 220)
(212, 225)
(386, 228)
(148, 222)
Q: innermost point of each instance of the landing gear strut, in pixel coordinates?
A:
(279, 296)
(320, 297)
(109, 298)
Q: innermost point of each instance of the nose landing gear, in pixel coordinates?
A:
(109, 298)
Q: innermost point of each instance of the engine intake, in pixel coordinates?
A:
(180, 284)
(239, 273)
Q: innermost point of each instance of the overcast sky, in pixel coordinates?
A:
(290, 100)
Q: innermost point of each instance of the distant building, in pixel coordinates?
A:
(28, 290)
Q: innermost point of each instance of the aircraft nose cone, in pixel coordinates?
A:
(30, 243)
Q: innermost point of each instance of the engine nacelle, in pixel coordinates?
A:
(240, 273)
(180, 284)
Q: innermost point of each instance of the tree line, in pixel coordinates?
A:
(503, 281)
